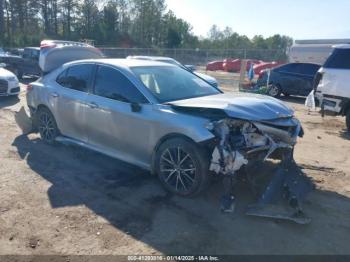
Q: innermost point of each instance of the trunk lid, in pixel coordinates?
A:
(55, 53)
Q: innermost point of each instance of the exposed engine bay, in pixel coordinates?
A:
(242, 143)
(239, 140)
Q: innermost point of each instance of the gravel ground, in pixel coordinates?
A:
(71, 201)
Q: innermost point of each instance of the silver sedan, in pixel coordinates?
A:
(160, 117)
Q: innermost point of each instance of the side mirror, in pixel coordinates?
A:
(135, 107)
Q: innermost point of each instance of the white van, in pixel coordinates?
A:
(309, 53)
(332, 83)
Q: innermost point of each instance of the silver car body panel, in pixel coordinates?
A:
(126, 135)
(114, 129)
(242, 106)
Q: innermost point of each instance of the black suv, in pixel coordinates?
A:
(290, 79)
(25, 64)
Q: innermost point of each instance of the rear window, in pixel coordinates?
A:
(309, 69)
(339, 59)
(76, 77)
(289, 68)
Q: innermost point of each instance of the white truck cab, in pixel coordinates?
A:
(332, 83)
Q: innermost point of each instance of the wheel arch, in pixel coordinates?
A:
(161, 141)
(43, 106)
(345, 107)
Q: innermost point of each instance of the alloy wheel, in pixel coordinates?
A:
(47, 127)
(178, 169)
(274, 90)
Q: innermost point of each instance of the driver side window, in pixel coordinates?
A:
(112, 84)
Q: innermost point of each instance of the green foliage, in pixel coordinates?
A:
(123, 23)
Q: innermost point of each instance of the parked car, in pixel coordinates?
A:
(16, 51)
(168, 60)
(332, 83)
(259, 68)
(26, 64)
(234, 65)
(290, 79)
(9, 85)
(215, 66)
(160, 117)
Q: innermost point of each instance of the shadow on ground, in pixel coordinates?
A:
(133, 201)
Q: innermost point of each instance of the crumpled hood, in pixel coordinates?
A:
(242, 106)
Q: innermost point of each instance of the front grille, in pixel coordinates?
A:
(15, 90)
(3, 86)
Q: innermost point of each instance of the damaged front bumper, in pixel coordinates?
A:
(242, 143)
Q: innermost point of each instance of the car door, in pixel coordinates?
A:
(307, 74)
(69, 99)
(290, 79)
(118, 120)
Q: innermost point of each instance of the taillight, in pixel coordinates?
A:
(29, 87)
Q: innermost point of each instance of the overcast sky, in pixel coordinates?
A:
(300, 19)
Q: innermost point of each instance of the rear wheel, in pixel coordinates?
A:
(47, 126)
(275, 90)
(182, 167)
(348, 120)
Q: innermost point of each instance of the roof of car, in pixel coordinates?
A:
(344, 46)
(153, 58)
(32, 47)
(124, 62)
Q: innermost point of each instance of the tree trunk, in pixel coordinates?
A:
(2, 25)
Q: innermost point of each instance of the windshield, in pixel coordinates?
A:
(170, 83)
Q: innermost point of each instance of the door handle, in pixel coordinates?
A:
(55, 95)
(92, 105)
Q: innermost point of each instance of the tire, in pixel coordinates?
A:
(275, 90)
(182, 167)
(46, 125)
(348, 120)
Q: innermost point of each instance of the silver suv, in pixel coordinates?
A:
(160, 117)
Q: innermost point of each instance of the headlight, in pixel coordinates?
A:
(12, 78)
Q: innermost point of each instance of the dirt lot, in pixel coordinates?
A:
(67, 200)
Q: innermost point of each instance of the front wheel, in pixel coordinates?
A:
(274, 90)
(47, 126)
(182, 167)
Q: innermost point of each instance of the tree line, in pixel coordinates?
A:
(116, 23)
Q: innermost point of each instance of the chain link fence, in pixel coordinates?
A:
(198, 57)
